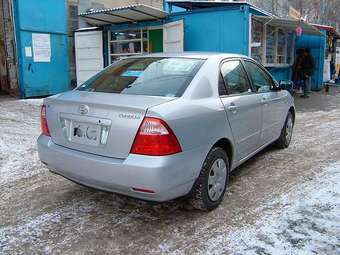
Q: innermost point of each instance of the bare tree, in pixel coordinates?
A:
(326, 12)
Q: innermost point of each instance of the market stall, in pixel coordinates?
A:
(233, 27)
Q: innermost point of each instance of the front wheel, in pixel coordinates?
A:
(286, 133)
(209, 188)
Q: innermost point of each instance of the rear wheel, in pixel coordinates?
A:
(286, 133)
(209, 188)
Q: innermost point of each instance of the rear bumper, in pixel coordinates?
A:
(168, 176)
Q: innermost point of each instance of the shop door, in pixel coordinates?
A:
(89, 54)
(173, 37)
(155, 40)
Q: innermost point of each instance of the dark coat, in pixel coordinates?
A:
(303, 67)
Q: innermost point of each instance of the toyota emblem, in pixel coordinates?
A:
(83, 109)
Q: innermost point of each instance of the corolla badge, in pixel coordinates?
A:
(83, 109)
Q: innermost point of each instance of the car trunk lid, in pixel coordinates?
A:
(100, 123)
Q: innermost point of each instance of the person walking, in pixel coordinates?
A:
(303, 69)
(297, 79)
(307, 70)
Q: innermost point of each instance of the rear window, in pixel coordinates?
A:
(168, 77)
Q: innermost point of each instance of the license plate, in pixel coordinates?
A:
(87, 130)
(85, 133)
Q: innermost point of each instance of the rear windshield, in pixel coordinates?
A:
(168, 77)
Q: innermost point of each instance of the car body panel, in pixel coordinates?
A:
(199, 118)
(168, 176)
(125, 113)
(273, 104)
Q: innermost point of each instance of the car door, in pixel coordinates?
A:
(243, 107)
(272, 101)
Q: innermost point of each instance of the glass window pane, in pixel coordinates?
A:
(281, 47)
(235, 77)
(221, 86)
(125, 35)
(271, 44)
(256, 40)
(260, 79)
(290, 48)
(125, 47)
(145, 47)
(167, 77)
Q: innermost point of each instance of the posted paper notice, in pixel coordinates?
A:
(41, 47)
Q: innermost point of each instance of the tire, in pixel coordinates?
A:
(285, 137)
(211, 172)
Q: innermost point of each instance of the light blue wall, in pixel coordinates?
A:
(222, 30)
(226, 29)
(216, 29)
(47, 16)
(317, 46)
(281, 73)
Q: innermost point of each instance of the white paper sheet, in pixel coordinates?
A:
(28, 51)
(41, 47)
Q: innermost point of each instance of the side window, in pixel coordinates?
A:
(221, 86)
(235, 77)
(260, 79)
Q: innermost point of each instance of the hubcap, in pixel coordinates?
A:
(217, 179)
(289, 129)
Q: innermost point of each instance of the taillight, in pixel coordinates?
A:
(43, 121)
(155, 138)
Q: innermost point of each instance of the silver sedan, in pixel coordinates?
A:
(163, 126)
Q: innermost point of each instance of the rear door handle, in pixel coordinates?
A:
(264, 100)
(232, 108)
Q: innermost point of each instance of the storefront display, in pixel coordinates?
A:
(271, 45)
(257, 40)
(128, 43)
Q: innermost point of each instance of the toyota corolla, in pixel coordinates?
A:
(163, 126)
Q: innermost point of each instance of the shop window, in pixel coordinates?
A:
(257, 40)
(290, 48)
(271, 45)
(281, 47)
(127, 43)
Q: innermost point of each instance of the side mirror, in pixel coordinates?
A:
(287, 85)
(276, 86)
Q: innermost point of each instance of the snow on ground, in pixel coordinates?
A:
(18, 140)
(37, 102)
(279, 202)
(306, 220)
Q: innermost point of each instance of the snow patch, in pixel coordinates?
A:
(35, 102)
(304, 221)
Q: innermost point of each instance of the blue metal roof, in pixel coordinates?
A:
(196, 5)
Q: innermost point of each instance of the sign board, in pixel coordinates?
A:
(293, 13)
(41, 47)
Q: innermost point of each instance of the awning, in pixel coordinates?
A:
(131, 13)
(289, 24)
(330, 29)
